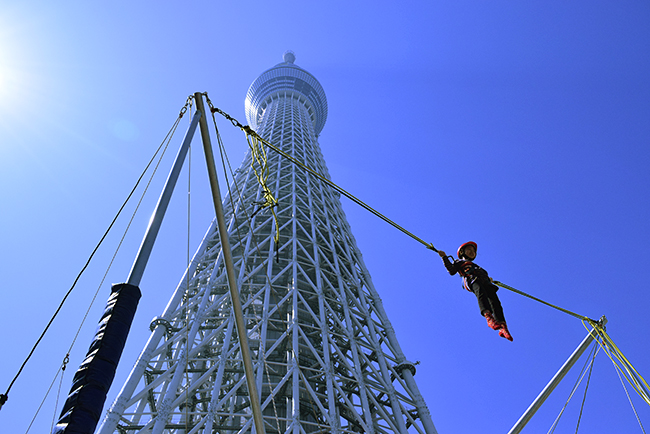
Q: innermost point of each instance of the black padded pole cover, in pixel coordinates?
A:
(93, 379)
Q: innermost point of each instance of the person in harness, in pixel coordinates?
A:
(476, 280)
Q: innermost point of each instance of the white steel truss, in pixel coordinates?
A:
(325, 355)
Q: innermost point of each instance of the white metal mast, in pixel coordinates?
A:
(325, 355)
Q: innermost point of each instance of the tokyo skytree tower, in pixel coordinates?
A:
(325, 356)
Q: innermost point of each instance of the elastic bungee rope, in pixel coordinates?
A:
(250, 132)
(630, 373)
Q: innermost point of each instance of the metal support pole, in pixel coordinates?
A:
(95, 376)
(530, 412)
(423, 410)
(142, 258)
(230, 270)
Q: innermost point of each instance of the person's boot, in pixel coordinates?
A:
(491, 322)
(504, 332)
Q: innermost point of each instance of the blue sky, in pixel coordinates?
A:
(522, 125)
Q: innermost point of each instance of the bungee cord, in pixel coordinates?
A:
(568, 312)
(251, 133)
(625, 367)
(260, 166)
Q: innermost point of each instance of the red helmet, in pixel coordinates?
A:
(462, 247)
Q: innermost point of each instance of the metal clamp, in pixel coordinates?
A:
(161, 321)
(405, 365)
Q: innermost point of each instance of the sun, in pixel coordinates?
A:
(4, 82)
(9, 83)
(16, 60)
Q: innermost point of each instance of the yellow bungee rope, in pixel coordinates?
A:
(259, 161)
(622, 364)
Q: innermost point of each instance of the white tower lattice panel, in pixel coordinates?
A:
(325, 355)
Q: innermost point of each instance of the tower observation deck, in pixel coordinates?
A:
(286, 80)
(325, 356)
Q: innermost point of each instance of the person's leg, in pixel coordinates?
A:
(485, 306)
(482, 297)
(494, 303)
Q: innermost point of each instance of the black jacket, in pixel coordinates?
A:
(469, 271)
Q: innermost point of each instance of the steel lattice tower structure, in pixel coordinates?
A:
(325, 354)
